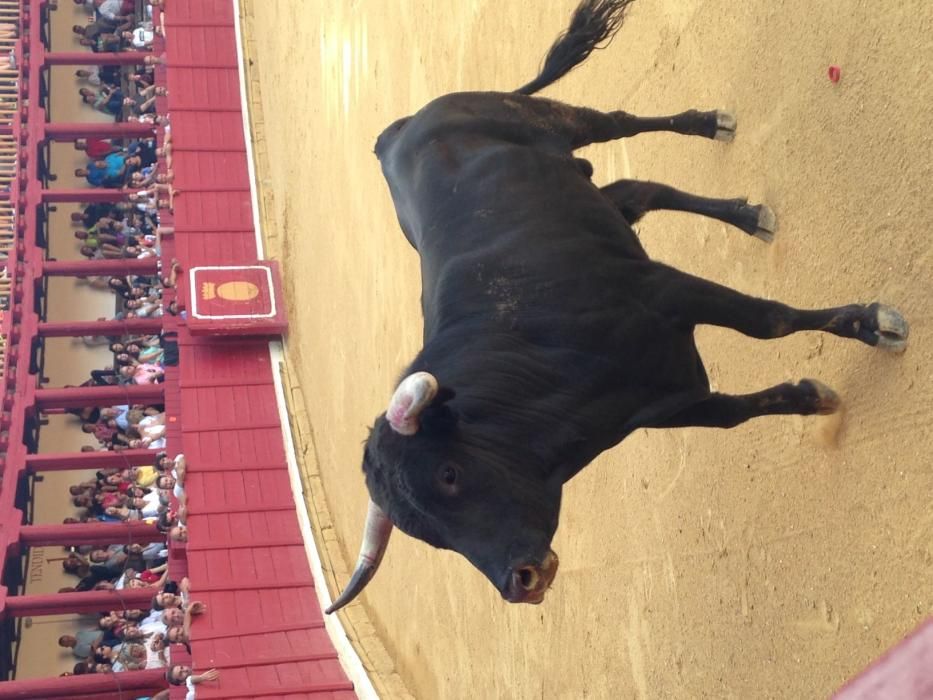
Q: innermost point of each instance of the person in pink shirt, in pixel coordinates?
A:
(143, 373)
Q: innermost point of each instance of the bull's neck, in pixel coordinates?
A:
(510, 391)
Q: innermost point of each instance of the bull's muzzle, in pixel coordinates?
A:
(529, 582)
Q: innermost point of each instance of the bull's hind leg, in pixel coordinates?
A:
(581, 126)
(635, 199)
(690, 301)
(806, 398)
(716, 125)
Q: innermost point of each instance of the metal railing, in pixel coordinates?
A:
(11, 12)
(9, 160)
(7, 218)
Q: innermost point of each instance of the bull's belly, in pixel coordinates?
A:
(631, 349)
(630, 364)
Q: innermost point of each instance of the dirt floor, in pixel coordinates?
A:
(773, 560)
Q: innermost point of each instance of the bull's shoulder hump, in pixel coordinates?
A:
(388, 136)
(450, 117)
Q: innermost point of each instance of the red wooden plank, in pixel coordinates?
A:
(201, 11)
(181, 229)
(204, 635)
(225, 427)
(313, 644)
(259, 448)
(240, 508)
(212, 170)
(206, 382)
(229, 209)
(208, 127)
(208, 148)
(264, 490)
(199, 23)
(242, 544)
(254, 660)
(252, 442)
(225, 468)
(198, 44)
(268, 584)
(206, 108)
(218, 87)
(198, 62)
(276, 690)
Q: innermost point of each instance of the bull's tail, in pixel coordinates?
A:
(592, 26)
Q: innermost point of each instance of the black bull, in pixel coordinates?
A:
(548, 333)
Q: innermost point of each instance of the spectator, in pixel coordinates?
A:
(107, 99)
(156, 651)
(129, 656)
(196, 608)
(177, 635)
(183, 675)
(173, 617)
(179, 533)
(142, 373)
(114, 12)
(82, 643)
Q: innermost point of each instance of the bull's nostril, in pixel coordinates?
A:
(528, 577)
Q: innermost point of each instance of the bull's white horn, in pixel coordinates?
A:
(412, 396)
(375, 540)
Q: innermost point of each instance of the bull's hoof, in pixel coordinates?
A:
(767, 224)
(725, 126)
(825, 400)
(891, 329)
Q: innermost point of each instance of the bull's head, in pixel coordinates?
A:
(442, 478)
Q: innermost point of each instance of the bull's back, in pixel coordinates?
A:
(465, 171)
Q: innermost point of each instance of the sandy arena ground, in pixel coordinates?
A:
(773, 560)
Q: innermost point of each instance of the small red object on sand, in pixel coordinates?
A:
(835, 73)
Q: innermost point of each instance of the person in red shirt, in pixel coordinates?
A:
(96, 149)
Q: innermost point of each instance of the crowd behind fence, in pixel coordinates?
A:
(10, 91)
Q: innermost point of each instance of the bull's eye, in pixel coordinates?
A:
(449, 477)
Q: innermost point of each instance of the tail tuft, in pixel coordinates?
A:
(592, 26)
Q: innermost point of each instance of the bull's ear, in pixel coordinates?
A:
(439, 417)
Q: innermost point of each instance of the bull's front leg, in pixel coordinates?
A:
(690, 301)
(806, 398)
(634, 199)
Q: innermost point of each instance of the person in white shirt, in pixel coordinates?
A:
(141, 37)
(155, 652)
(111, 10)
(153, 624)
(184, 675)
(179, 471)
